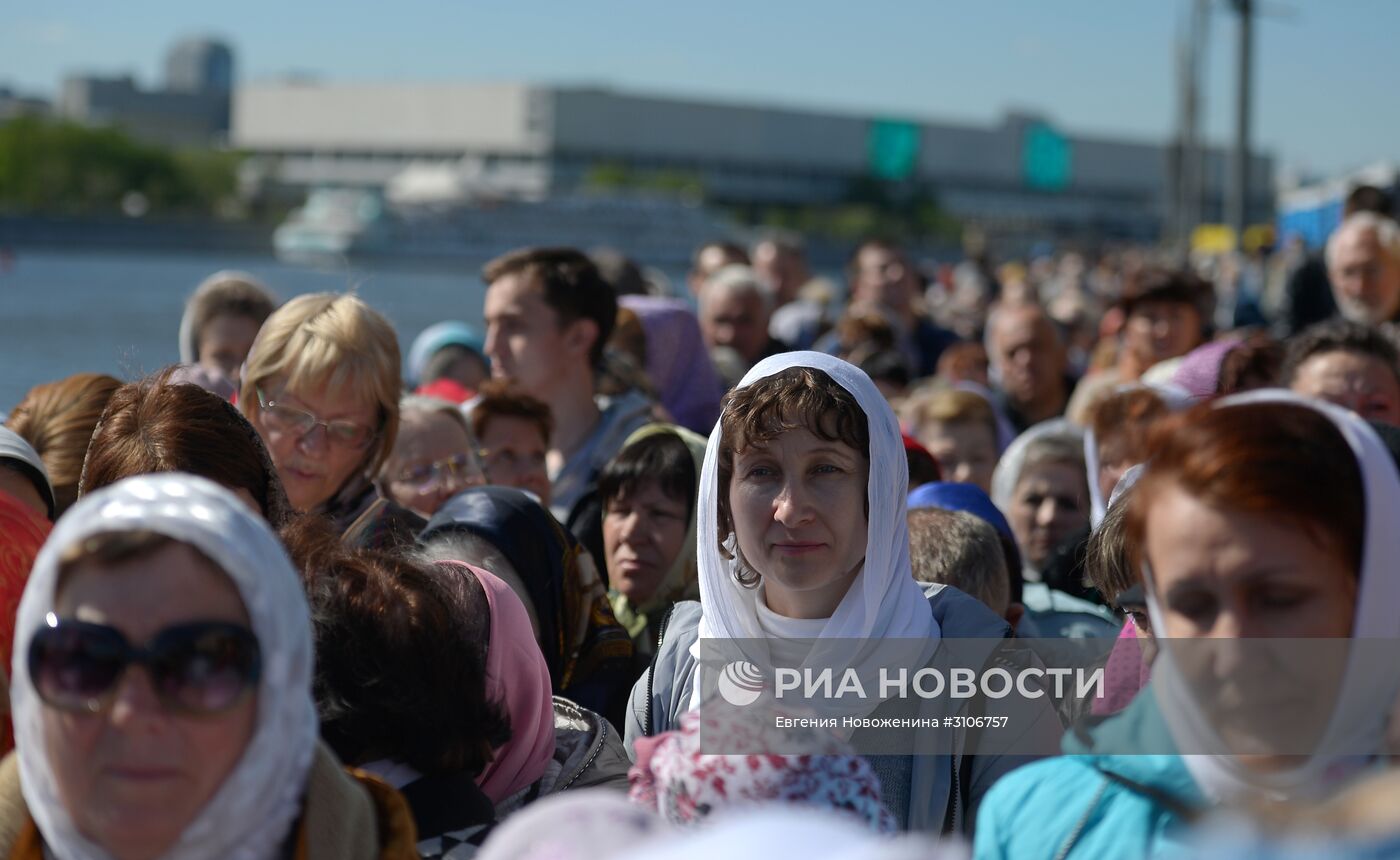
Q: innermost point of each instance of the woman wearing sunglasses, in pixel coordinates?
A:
(321, 385)
(162, 694)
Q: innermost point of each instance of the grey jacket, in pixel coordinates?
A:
(588, 753)
(942, 789)
(618, 418)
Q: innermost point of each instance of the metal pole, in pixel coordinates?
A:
(1196, 176)
(1237, 210)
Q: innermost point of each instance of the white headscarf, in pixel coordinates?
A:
(884, 601)
(1363, 706)
(781, 830)
(252, 813)
(1007, 474)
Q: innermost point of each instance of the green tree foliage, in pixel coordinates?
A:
(614, 177)
(62, 167)
(899, 212)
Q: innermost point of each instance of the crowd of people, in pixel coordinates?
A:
(301, 597)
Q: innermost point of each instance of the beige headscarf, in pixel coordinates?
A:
(682, 581)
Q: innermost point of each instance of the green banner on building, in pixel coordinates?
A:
(1047, 158)
(893, 149)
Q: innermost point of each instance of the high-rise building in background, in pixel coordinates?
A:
(192, 109)
(199, 65)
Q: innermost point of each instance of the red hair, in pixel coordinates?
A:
(1278, 459)
(1122, 423)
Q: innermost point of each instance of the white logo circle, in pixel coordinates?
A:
(741, 683)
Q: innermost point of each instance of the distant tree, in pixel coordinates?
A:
(48, 166)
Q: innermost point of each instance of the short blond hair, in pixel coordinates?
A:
(329, 339)
(959, 549)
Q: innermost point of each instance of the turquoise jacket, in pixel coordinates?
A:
(1090, 804)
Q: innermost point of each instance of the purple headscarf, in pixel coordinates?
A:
(1199, 371)
(677, 361)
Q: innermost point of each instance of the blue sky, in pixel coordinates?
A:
(1326, 72)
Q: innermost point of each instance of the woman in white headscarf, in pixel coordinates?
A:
(1264, 528)
(802, 539)
(207, 750)
(1039, 484)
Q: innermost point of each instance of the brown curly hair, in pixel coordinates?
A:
(792, 399)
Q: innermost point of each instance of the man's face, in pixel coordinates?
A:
(1157, 330)
(736, 320)
(884, 277)
(1028, 355)
(783, 269)
(1365, 279)
(524, 340)
(710, 260)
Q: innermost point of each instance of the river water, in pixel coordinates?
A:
(118, 313)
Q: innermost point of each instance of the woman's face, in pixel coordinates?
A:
(1361, 383)
(1221, 576)
(133, 775)
(1157, 331)
(1235, 574)
(643, 532)
(315, 464)
(432, 461)
(224, 343)
(966, 451)
(514, 455)
(22, 490)
(799, 509)
(1113, 463)
(1047, 507)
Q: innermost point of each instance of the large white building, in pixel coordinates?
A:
(1022, 172)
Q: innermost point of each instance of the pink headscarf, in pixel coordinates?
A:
(516, 676)
(1199, 371)
(1125, 673)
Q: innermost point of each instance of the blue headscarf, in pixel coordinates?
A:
(434, 338)
(961, 497)
(951, 496)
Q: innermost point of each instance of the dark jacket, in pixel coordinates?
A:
(452, 814)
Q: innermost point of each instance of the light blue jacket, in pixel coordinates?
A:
(937, 794)
(1086, 804)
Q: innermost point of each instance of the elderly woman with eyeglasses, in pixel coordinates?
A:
(321, 385)
(434, 456)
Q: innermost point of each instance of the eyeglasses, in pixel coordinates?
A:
(427, 477)
(499, 458)
(299, 422)
(200, 668)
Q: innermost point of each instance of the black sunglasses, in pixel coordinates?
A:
(199, 668)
